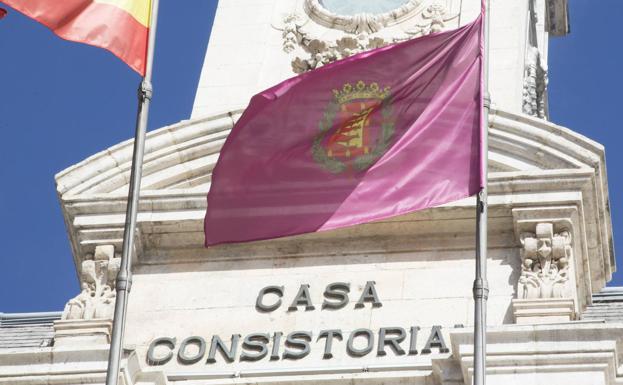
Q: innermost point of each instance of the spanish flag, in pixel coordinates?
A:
(119, 26)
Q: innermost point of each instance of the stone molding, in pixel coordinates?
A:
(556, 354)
(536, 165)
(543, 310)
(82, 332)
(519, 144)
(72, 364)
(79, 355)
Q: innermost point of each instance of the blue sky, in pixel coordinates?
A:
(585, 83)
(61, 102)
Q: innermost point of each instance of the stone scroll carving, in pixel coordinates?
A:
(311, 46)
(97, 276)
(434, 19)
(545, 261)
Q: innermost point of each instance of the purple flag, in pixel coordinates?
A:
(379, 134)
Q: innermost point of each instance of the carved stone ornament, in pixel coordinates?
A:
(97, 276)
(363, 22)
(535, 85)
(434, 20)
(332, 37)
(545, 262)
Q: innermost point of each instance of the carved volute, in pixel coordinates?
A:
(545, 259)
(97, 277)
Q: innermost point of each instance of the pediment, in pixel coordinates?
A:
(180, 158)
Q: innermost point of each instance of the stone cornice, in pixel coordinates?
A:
(164, 147)
(518, 143)
(576, 347)
(74, 363)
(535, 164)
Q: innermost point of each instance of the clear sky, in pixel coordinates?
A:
(61, 102)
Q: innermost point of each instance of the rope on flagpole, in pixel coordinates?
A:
(481, 286)
(124, 277)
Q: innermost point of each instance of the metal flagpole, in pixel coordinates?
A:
(481, 286)
(124, 277)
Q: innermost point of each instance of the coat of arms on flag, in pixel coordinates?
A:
(356, 128)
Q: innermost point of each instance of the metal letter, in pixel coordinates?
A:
(188, 360)
(435, 340)
(393, 342)
(274, 354)
(152, 359)
(255, 342)
(350, 348)
(412, 344)
(259, 304)
(302, 298)
(298, 340)
(228, 354)
(337, 291)
(329, 334)
(369, 295)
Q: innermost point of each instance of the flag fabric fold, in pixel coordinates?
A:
(376, 135)
(119, 26)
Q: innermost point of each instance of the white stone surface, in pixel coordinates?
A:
(543, 310)
(70, 333)
(562, 354)
(422, 263)
(548, 201)
(270, 32)
(565, 184)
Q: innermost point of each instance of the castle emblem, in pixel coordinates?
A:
(356, 128)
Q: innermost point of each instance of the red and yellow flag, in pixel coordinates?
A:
(120, 26)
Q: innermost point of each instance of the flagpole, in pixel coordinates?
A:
(124, 277)
(481, 286)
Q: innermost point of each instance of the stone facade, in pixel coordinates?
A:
(286, 37)
(387, 302)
